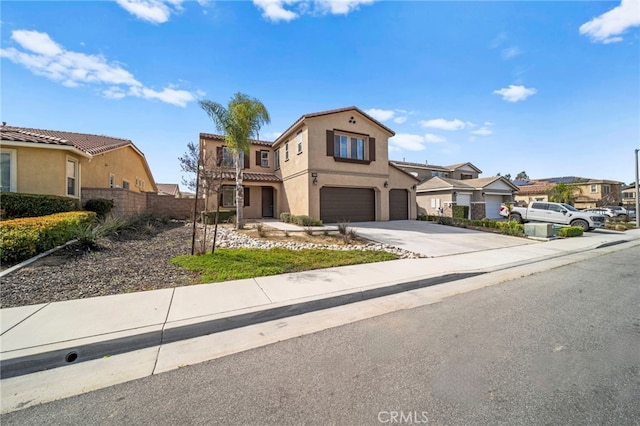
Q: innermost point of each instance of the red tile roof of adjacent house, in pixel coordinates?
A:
(221, 138)
(91, 144)
(535, 188)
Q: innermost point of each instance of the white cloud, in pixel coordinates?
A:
(340, 7)
(154, 11)
(407, 142)
(483, 131)
(511, 52)
(42, 56)
(608, 27)
(400, 120)
(515, 93)
(488, 123)
(381, 114)
(431, 138)
(274, 10)
(281, 10)
(442, 124)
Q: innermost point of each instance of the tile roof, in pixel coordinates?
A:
(168, 188)
(92, 144)
(221, 138)
(402, 170)
(251, 176)
(418, 165)
(535, 188)
(442, 183)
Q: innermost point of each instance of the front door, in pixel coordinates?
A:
(267, 201)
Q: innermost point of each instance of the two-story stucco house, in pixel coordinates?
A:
(332, 165)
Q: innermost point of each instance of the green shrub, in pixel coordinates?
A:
(17, 205)
(26, 237)
(423, 217)
(306, 221)
(511, 228)
(285, 217)
(570, 231)
(100, 206)
(460, 212)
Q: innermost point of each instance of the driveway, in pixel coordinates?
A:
(433, 240)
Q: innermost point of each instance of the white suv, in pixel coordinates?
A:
(618, 210)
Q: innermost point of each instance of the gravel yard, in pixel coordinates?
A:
(138, 262)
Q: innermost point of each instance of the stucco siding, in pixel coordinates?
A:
(42, 171)
(124, 163)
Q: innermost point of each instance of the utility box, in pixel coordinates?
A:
(541, 230)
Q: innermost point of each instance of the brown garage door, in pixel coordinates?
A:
(398, 204)
(347, 205)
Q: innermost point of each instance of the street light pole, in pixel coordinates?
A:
(637, 192)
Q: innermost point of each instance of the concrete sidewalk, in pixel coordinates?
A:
(43, 337)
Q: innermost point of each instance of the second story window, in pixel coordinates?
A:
(286, 151)
(349, 147)
(594, 189)
(299, 142)
(606, 189)
(276, 159)
(228, 158)
(264, 158)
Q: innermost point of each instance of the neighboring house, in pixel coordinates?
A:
(62, 163)
(171, 189)
(532, 191)
(589, 192)
(437, 196)
(629, 196)
(331, 165)
(426, 171)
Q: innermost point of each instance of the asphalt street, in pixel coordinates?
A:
(558, 347)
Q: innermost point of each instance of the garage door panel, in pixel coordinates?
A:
(347, 204)
(492, 206)
(398, 204)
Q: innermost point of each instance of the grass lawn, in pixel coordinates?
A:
(235, 264)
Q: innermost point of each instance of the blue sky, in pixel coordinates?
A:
(550, 88)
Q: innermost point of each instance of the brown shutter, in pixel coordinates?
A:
(258, 155)
(372, 149)
(330, 150)
(218, 155)
(247, 161)
(247, 194)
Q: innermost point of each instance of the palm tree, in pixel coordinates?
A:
(243, 117)
(564, 193)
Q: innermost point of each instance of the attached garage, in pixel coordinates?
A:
(492, 206)
(347, 204)
(398, 204)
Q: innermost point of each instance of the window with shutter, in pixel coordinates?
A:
(353, 148)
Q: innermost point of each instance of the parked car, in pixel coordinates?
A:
(618, 210)
(601, 210)
(560, 213)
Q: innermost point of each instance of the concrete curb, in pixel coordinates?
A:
(73, 354)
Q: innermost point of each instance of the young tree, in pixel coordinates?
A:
(242, 118)
(564, 193)
(205, 177)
